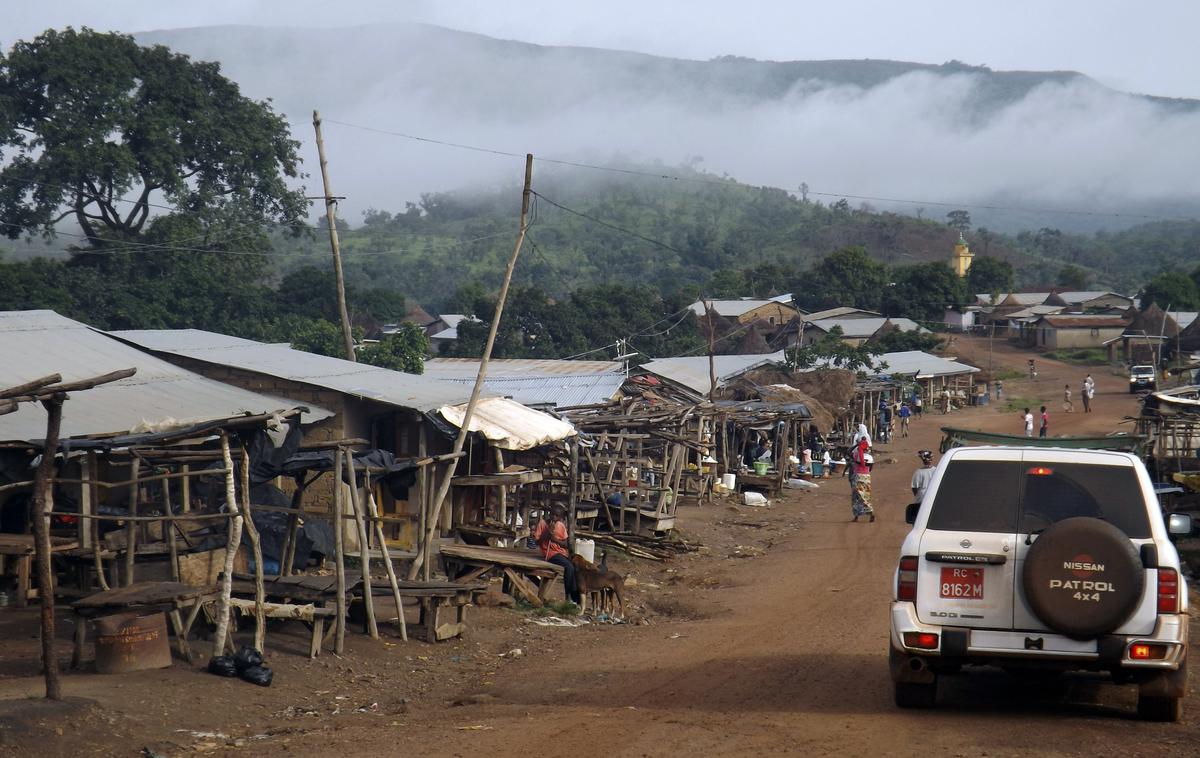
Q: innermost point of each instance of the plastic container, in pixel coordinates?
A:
(729, 481)
(817, 468)
(585, 549)
(755, 498)
(761, 468)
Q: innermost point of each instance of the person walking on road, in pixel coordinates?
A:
(905, 413)
(1032, 371)
(922, 476)
(1089, 392)
(1028, 423)
(1068, 406)
(1045, 426)
(860, 475)
(999, 389)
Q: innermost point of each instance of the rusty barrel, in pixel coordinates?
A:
(130, 642)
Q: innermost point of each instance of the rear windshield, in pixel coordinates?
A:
(1010, 496)
(1057, 491)
(977, 496)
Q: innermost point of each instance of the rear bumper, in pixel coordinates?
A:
(959, 646)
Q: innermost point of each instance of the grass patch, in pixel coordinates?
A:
(1091, 356)
(1018, 404)
(552, 608)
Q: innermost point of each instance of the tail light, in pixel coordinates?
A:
(1168, 591)
(906, 579)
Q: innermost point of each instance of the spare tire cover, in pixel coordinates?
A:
(1082, 577)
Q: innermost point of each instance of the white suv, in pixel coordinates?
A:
(1041, 559)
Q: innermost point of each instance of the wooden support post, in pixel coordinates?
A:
(43, 503)
(93, 469)
(288, 559)
(86, 506)
(231, 547)
(423, 556)
(131, 527)
(387, 561)
(573, 493)
(260, 593)
(364, 550)
(502, 505)
(185, 493)
(340, 555)
(168, 527)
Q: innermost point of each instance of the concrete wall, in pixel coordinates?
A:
(774, 313)
(1076, 338)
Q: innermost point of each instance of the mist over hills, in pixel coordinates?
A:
(1043, 141)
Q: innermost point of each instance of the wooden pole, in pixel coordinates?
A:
(364, 550)
(573, 493)
(387, 562)
(260, 593)
(93, 469)
(340, 555)
(131, 528)
(43, 503)
(331, 220)
(231, 548)
(169, 530)
(444, 488)
(288, 562)
(712, 368)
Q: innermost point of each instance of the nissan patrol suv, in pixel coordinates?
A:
(1041, 559)
(1142, 378)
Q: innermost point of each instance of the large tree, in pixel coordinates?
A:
(989, 275)
(1171, 289)
(845, 277)
(97, 128)
(923, 291)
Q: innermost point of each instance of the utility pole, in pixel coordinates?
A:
(424, 546)
(712, 367)
(331, 221)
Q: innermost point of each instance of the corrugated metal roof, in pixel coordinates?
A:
(692, 371)
(841, 312)
(510, 425)
(909, 362)
(1082, 296)
(39, 343)
(359, 379)
(554, 391)
(458, 368)
(735, 308)
(1084, 322)
(864, 327)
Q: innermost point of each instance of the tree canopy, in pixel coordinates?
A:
(87, 118)
(846, 277)
(1172, 290)
(989, 274)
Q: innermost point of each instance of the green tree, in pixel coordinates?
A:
(1072, 277)
(991, 275)
(87, 118)
(403, 350)
(845, 277)
(959, 219)
(923, 291)
(833, 351)
(1173, 290)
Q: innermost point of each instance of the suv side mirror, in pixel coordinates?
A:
(1179, 525)
(910, 513)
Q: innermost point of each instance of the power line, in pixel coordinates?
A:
(608, 225)
(731, 184)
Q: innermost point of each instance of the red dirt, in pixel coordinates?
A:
(771, 640)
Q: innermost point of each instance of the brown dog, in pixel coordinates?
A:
(594, 585)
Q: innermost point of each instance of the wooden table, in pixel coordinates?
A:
(21, 548)
(143, 597)
(526, 572)
(433, 597)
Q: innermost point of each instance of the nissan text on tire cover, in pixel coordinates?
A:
(1041, 559)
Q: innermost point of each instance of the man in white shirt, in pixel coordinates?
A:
(1028, 423)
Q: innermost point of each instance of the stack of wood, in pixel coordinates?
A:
(636, 546)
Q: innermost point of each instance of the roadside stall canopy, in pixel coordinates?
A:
(509, 425)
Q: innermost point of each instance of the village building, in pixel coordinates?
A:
(1071, 331)
(776, 311)
(537, 383)
(961, 260)
(443, 331)
(856, 331)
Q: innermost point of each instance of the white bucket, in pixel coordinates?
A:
(729, 481)
(586, 549)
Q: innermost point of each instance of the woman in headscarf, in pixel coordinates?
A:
(860, 475)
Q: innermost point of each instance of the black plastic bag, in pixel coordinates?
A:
(260, 675)
(222, 665)
(247, 658)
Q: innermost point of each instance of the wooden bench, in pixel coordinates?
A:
(432, 597)
(525, 572)
(143, 597)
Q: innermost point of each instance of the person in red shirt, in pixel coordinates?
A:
(550, 534)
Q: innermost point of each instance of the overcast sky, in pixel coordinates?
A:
(1147, 47)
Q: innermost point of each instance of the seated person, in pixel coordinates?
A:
(550, 534)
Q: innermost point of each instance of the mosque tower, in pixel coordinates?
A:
(962, 257)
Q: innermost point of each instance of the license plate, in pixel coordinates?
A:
(962, 583)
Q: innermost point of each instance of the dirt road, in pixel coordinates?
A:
(784, 652)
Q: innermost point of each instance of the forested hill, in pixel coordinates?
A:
(1048, 141)
(699, 231)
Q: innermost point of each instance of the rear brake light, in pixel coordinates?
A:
(906, 579)
(1040, 471)
(1168, 591)
(922, 640)
(1145, 651)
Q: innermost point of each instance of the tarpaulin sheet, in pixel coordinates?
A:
(509, 425)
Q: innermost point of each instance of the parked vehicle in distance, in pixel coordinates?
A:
(1041, 560)
(1142, 378)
